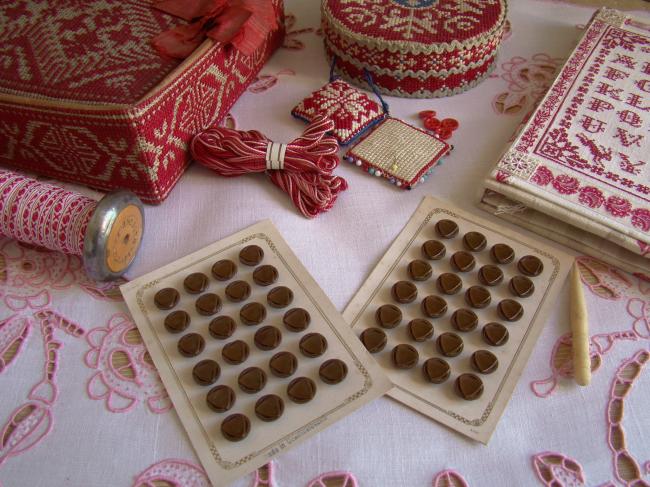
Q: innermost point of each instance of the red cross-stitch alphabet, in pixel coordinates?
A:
(636, 101)
(646, 68)
(627, 166)
(625, 60)
(614, 74)
(643, 85)
(629, 117)
(598, 105)
(628, 139)
(608, 90)
(592, 125)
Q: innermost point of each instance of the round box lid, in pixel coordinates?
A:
(416, 26)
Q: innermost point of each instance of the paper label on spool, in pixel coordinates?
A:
(124, 239)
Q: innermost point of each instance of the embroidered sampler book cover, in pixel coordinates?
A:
(578, 171)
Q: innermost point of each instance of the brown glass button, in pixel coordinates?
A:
(191, 345)
(208, 304)
(469, 386)
(495, 334)
(235, 427)
(464, 320)
(221, 398)
(510, 310)
(267, 338)
(301, 390)
(222, 327)
(474, 241)
(206, 372)
(196, 283)
(434, 306)
(502, 253)
(279, 297)
(420, 330)
(252, 380)
(450, 344)
(313, 345)
(447, 228)
(177, 321)
(238, 291)
(484, 361)
(436, 370)
(521, 286)
(388, 316)
(235, 352)
(265, 275)
(224, 270)
(404, 292)
(419, 270)
(269, 407)
(433, 249)
(405, 356)
(478, 297)
(296, 319)
(333, 371)
(374, 339)
(449, 283)
(251, 255)
(490, 275)
(463, 261)
(252, 313)
(166, 298)
(530, 265)
(283, 364)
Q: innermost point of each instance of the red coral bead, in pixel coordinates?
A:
(444, 133)
(424, 114)
(431, 123)
(449, 123)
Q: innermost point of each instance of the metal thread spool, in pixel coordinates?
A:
(106, 234)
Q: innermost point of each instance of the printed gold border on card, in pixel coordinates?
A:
(294, 435)
(556, 269)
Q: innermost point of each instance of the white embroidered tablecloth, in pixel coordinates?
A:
(81, 404)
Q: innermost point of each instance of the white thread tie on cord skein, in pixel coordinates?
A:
(302, 168)
(275, 153)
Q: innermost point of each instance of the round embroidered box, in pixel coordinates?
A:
(414, 48)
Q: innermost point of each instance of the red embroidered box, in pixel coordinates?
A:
(84, 97)
(414, 48)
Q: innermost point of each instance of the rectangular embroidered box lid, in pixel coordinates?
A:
(579, 168)
(86, 98)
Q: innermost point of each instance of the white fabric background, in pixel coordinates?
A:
(385, 443)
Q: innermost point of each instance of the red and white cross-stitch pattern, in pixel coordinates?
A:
(351, 110)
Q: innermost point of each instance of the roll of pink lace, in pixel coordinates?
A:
(42, 214)
(303, 168)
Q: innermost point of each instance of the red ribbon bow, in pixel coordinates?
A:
(242, 23)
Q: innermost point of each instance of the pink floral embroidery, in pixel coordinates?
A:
(342, 479)
(290, 38)
(13, 333)
(125, 373)
(591, 197)
(626, 468)
(527, 81)
(173, 473)
(640, 311)
(265, 82)
(566, 184)
(641, 218)
(542, 176)
(618, 206)
(449, 478)
(605, 281)
(557, 470)
(265, 476)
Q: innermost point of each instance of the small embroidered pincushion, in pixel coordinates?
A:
(414, 48)
(352, 111)
(403, 154)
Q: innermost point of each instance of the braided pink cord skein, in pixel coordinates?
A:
(42, 214)
(303, 168)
